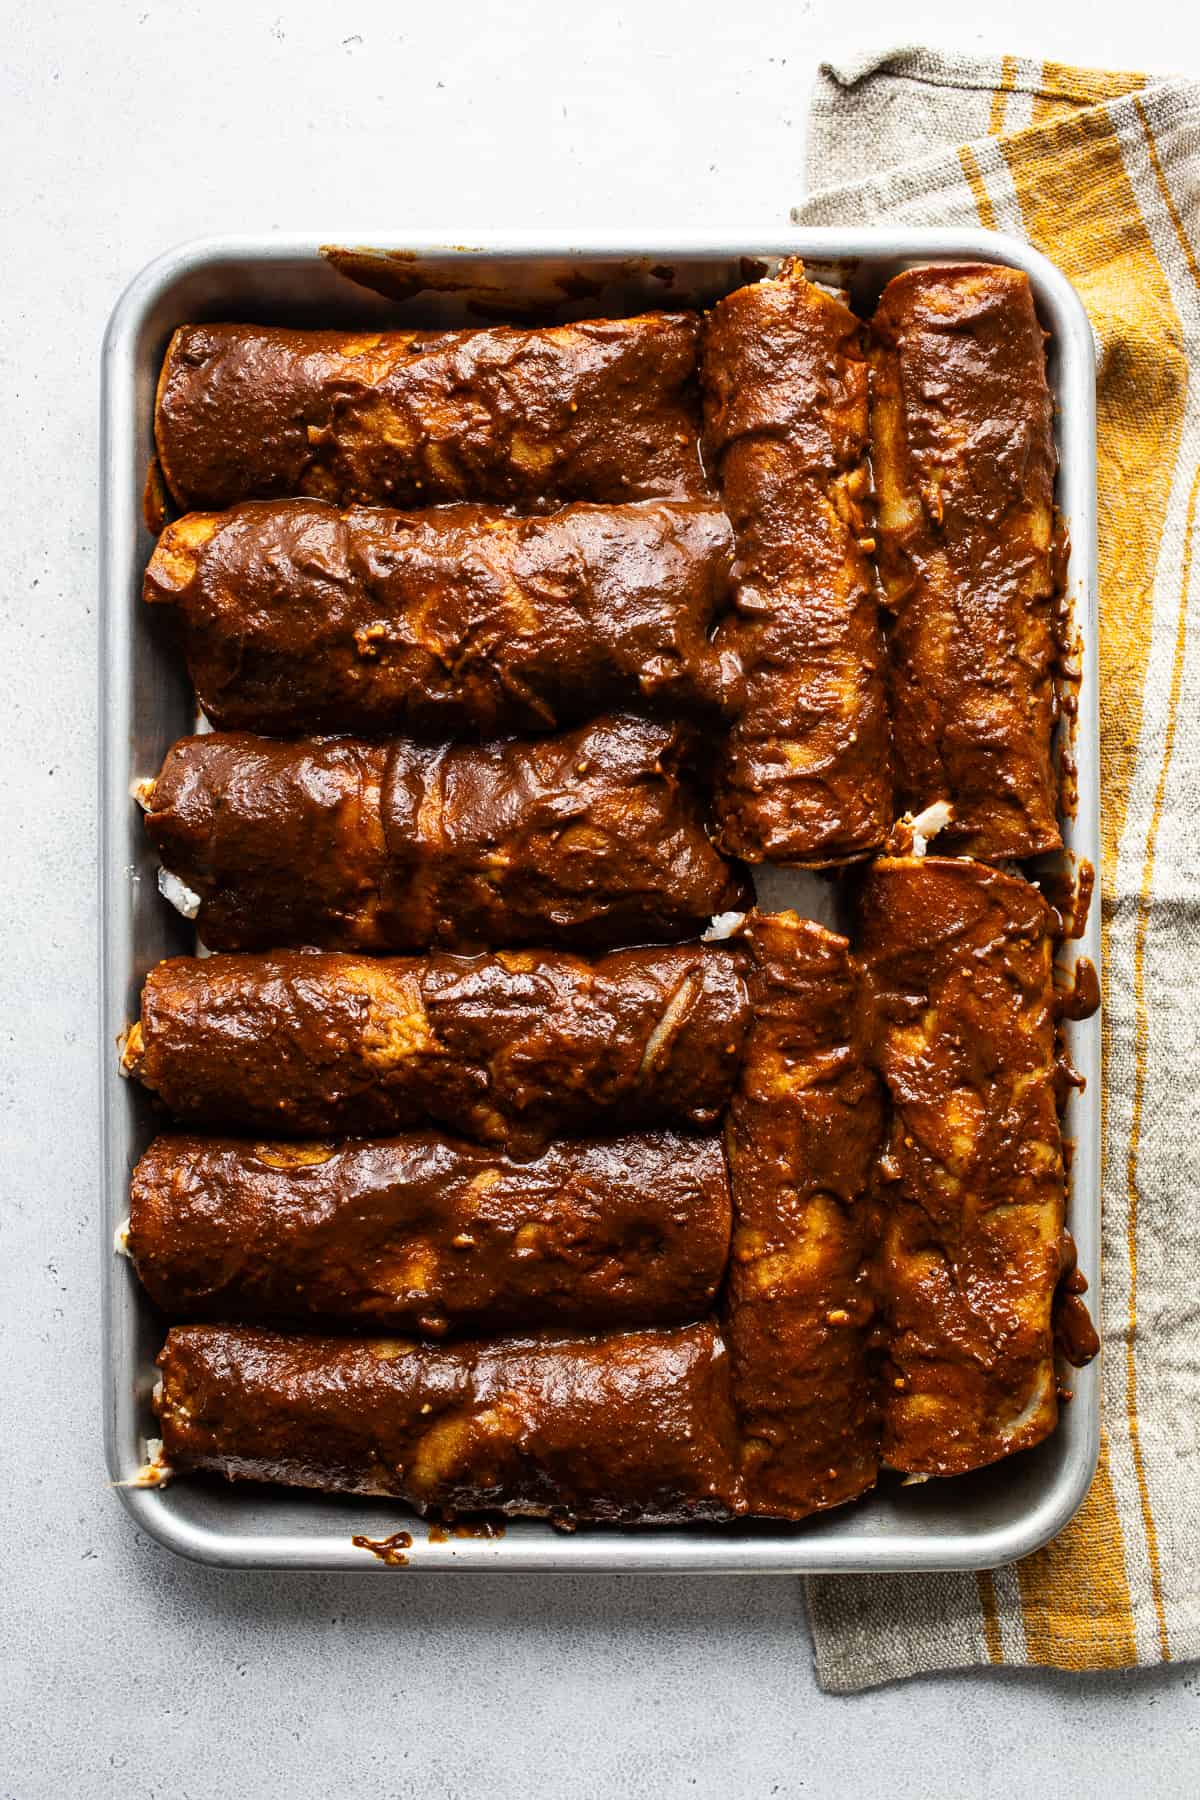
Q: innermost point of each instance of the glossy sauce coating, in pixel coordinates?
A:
(806, 774)
(510, 1049)
(589, 837)
(964, 463)
(633, 1427)
(429, 1235)
(604, 410)
(971, 1182)
(299, 618)
(803, 1132)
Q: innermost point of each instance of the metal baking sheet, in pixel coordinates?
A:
(973, 1522)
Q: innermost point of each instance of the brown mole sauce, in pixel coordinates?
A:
(389, 1550)
(1070, 893)
(1075, 1337)
(1068, 672)
(1082, 998)
(1077, 998)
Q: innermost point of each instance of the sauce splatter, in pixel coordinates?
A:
(1075, 1337)
(1071, 896)
(389, 1550)
(1082, 998)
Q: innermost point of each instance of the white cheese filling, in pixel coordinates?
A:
(178, 893)
(724, 925)
(154, 1472)
(926, 825)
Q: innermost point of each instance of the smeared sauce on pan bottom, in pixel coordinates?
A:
(466, 1528)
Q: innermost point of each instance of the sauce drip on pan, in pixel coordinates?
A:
(389, 1550)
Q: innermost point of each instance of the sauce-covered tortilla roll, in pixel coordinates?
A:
(803, 1132)
(428, 1234)
(590, 837)
(806, 772)
(633, 1427)
(604, 410)
(463, 621)
(511, 1049)
(971, 1181)
(964, 463)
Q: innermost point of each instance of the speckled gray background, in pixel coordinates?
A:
(124, 128)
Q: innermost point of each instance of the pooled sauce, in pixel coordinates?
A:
(1082, 998)
(1071, 897)
(1079, 998)
(1075, 1337)
(389, 1550)
(401, 275)
(575, 285)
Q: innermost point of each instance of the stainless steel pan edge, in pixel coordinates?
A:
(979, 1521)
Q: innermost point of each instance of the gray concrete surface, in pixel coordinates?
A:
(124, 128)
